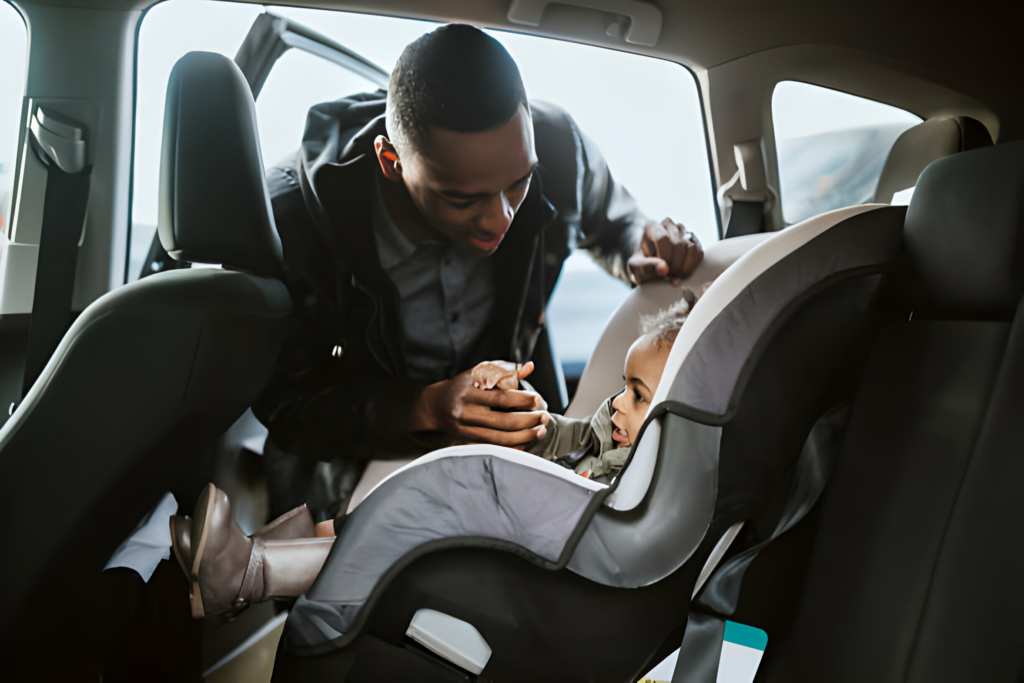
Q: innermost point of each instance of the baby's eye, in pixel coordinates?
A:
(637, 396)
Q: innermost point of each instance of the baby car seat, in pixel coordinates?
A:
(535, 573)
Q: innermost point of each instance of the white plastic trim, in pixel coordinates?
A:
(636, 478)
(453, 639)
(629, 496)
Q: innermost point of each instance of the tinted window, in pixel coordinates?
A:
(831, 147)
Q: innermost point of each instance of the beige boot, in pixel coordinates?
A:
(228, 570)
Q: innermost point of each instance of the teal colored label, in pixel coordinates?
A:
(744, 635)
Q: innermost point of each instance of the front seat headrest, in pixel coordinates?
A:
(214, 204)
(964, 236)
(921, 145)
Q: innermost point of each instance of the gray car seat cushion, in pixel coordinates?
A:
(482, 496)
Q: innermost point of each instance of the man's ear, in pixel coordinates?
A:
(387, 156)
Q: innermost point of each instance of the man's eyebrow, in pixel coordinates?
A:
(464, 196)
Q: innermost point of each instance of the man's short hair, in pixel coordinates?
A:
(456, 77)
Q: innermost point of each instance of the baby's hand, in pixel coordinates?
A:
(500, 374)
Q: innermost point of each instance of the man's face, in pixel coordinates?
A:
(468, 186)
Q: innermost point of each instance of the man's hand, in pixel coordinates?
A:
(667, 249)
(472, 415)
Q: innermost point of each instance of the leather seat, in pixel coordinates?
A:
(916, 562)
(148, 376)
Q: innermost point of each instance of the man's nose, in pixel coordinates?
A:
(497, 215)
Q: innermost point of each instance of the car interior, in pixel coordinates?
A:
(832, 460)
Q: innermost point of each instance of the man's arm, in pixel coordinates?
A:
(619, 237)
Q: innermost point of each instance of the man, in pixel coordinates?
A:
(422, 235)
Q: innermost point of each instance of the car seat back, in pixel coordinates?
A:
(762, 356)
(916, 563)
(149, 374)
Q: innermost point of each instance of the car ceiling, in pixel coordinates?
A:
(973, 49)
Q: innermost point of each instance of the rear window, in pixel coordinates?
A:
(831, 147)
(13, 58)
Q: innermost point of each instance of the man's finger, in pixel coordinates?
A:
(516, 399)
(510, 439)
(480, 416)
(694, 255)
(646, 268)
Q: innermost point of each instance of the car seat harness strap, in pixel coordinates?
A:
(61, 146)
(705, 626)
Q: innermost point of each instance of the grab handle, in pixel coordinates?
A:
(644, 18)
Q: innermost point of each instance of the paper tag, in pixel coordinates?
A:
(742, 650)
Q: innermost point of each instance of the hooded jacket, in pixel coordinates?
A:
(340, 387)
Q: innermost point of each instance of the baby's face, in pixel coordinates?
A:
(644, 364)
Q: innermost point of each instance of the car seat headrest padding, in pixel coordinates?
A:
(214, 204)
(964, 236)
(703, 375)
(748, 298)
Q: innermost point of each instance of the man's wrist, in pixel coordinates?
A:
(422, 419)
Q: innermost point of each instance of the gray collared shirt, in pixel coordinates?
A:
(446, 298)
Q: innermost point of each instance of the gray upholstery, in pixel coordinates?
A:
(470, 495)
(214, 204)
(139, 388)
(648, 528)
(965, 247)
(926, 142)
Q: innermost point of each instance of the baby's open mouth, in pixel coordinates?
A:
(619, 434)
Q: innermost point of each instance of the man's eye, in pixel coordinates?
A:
(460, 205)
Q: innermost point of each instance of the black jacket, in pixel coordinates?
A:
(340, 387)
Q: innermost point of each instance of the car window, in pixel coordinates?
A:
(168, 31)
(831, 147)
(298, 80)
(13, 57)
(643, 113)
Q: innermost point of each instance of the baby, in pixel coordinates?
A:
(597, 447)
(228, 570)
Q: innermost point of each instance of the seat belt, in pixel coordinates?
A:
(749, 196)
(60, 144)
(701, 651)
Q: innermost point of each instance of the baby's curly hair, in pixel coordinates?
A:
(664, 325)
